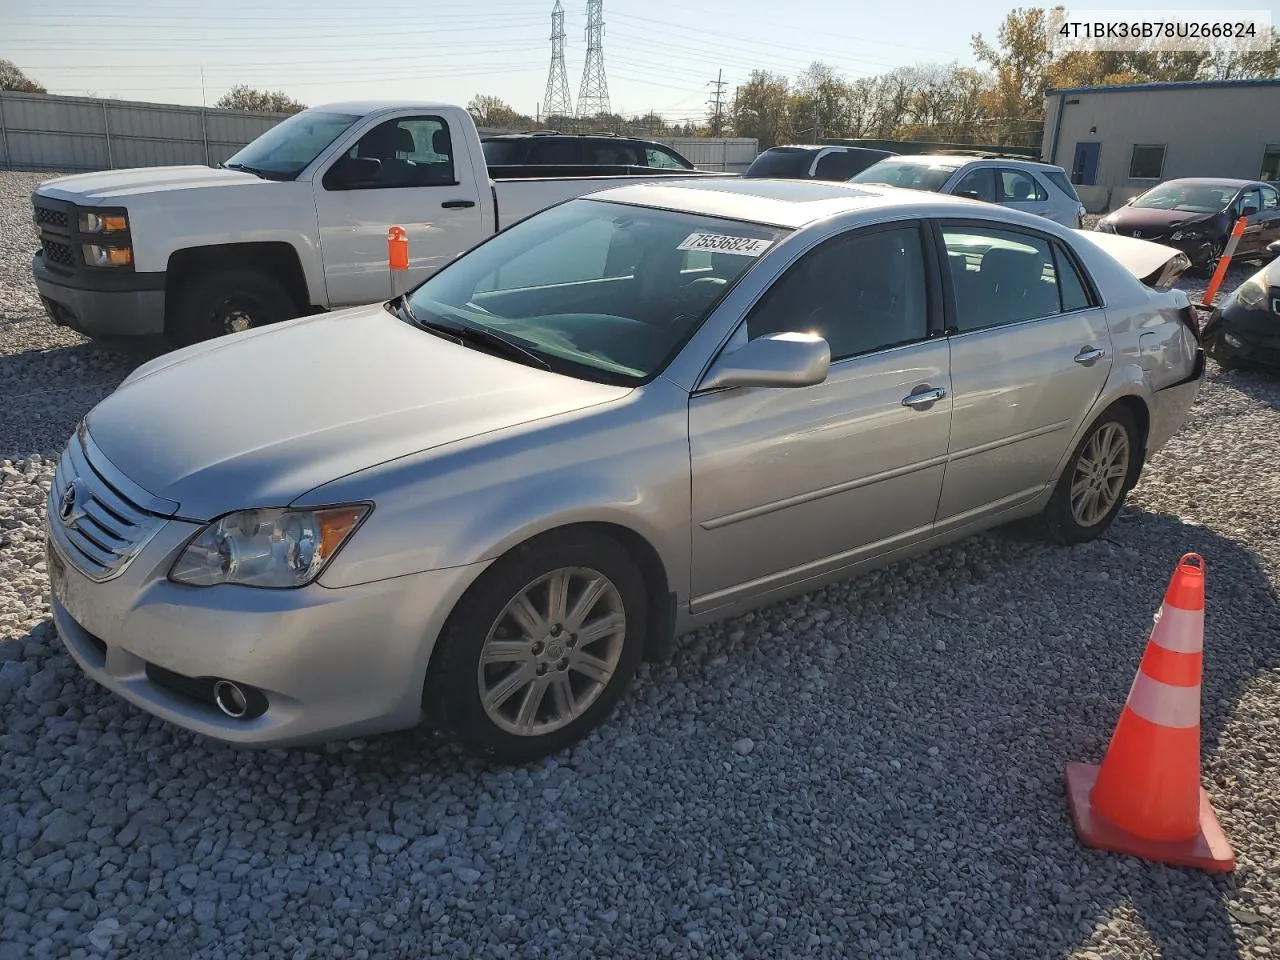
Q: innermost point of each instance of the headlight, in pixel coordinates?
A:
(96, 255)
(1253, 292)
(103, 223)
(267, 548)
(1106, 225)
(1186, 235)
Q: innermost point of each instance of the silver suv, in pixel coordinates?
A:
(1039, 188)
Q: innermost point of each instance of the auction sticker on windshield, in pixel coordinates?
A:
(716, 243)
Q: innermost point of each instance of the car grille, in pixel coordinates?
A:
(102, 527)
(52, 218)
(59, 253)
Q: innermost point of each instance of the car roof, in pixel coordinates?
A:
(377, 106)
(956, 160)
(1212, 182)
(779, 203)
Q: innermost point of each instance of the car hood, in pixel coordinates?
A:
(1130, 218)
(120, 185)
(260, 418)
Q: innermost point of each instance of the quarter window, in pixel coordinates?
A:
(1000, 277)
(1147, 162)
(863, 292)
(662, 159)
(409, 152)
(1017, 186)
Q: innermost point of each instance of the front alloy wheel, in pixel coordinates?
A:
(552, 651)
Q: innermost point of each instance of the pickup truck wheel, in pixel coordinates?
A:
(1103, 468)
(228, 301)
(540, 649)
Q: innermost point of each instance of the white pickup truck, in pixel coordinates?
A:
(294, 223)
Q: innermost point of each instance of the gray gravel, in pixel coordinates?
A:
(874, 770)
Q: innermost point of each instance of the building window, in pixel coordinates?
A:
(1147, 162)
(1271, 162)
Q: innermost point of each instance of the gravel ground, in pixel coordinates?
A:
(871, 770)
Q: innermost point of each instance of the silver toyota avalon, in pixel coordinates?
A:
(481, 504)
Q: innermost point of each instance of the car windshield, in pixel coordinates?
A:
(786, 164)
(288, 148)
(1187, 197)
(598, 290)
(912, 174)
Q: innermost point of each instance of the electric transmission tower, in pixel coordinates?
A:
(716, 103)
(593, 95)
(556, 102)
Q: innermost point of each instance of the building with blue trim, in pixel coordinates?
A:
(1116, 142)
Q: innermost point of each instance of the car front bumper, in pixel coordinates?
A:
(329, 663)
(1248, 336)
(130, 305)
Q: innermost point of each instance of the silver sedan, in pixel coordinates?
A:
(483, 503)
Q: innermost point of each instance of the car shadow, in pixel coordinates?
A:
(881, 804)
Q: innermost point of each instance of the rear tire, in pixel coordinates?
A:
(515, 676)
(1103, 468)
(228, 300)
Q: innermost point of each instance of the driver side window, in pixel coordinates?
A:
(863, 291)
(1250, 198)
(406, 152)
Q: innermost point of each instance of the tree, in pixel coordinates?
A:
(12, 78)
(243, 97)
(1020, 64)
(490, 111)
(761, 109)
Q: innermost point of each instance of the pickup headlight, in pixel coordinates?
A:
(267, 548)
(1253, 292)
(103, 223)
(99, 255)
(1186, 235)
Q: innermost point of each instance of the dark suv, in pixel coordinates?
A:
(579, 150)
(812, 162)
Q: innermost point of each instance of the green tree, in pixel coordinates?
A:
(761, 109)
(12, 78)
(490, 111)
(1019, 64)
(242, 97)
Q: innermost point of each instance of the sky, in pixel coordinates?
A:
(659, 55)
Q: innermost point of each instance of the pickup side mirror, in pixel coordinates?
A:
(1249, 211)
(778, 360)
(354, 173)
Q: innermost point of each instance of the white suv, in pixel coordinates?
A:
(1039, 188)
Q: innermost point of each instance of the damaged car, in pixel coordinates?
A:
(1245, 329)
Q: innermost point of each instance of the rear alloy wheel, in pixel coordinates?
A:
(540, 649)
(1092, 488)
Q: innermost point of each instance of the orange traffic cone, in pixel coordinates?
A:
(1146, 799)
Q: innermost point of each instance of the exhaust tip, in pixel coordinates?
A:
(231, 700)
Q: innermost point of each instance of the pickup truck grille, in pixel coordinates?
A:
(52, 218)
(59, 253)
(102, 527)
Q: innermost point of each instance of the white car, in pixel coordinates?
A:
(1039, 188)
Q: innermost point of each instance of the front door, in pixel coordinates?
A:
(791, 482)
(1270, 214)
(415, 187)
(1084, 168)
(1030, 352)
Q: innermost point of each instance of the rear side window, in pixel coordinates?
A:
(610, 153)
(1017, 186)
(1000, 277)
(781, 163)
(840, 165)
(504, 153)
(1059, 180)
(556, 152)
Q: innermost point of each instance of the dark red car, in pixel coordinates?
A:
(1196, 214)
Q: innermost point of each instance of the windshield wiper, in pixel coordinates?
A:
(476, 336)
(260, 174)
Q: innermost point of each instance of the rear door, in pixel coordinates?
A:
(420, 185)
(1021, 191)
(1030, 352)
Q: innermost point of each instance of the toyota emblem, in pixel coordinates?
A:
(70, 501)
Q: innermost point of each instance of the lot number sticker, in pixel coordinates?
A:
(715, 243)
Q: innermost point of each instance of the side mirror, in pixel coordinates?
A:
(1129, 200)
(778, 360)
(352, 173)
(968, 194)
(1273, 248)
(1249, 211)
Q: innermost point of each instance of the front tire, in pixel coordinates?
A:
(1103, 468)
(228, 301)
(540, 649)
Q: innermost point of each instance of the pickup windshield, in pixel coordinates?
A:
(288, 148)
(594, 289)
(912, 174)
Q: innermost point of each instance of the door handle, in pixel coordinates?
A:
(455, 204)
(925, 396)
(1089, 356)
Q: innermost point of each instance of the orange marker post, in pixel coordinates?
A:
(1223, 262)
(1145, 799)
(397, 257)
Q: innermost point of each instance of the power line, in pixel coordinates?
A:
(593, 96)
(556, 103)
